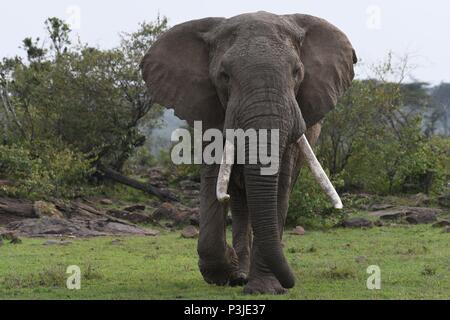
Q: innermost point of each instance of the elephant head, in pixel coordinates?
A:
(259, 71)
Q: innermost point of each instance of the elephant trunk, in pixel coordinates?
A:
(262, 199)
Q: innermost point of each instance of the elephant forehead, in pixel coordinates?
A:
(257, 24)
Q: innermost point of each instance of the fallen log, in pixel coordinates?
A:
(147, 188)
(19, 208)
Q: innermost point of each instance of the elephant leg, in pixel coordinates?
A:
(242, 235)
(218, 262)
(261, 280)
(292, 164)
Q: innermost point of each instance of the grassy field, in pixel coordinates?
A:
(414, 262)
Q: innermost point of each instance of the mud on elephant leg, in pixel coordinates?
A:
(218, 262)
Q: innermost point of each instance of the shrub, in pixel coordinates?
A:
(43, 171)
(309, 206)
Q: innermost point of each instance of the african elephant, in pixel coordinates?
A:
(261, 71)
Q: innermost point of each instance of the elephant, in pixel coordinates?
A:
(262, 71)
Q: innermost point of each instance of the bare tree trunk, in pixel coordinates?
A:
(147, 188)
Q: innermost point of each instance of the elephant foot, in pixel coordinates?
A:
(223, 271)
(239, 279)
(264, 284)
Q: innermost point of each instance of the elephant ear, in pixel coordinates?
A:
(176, 71)
(328, 58)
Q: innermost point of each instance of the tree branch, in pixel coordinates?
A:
(147, 188)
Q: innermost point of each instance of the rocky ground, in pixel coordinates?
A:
(96, 216)
(90, 217)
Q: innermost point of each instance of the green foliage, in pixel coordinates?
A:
(46, 171)
(309, 206)
(92, 100)
(84, 102)
(375, 141)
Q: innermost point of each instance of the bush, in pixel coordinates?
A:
(427, 169)
(375, 138)
(43, 172)
(385, 166)
(309, 206)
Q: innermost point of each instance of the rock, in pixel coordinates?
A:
(444, 200)
(15, 209)
(56, 242)
(191, 193)
(178, 215)
(46, 209)
(382, 206)
(194, 202)
(388, 214)
(135, 217)
(194, 219)
(418, 214)
(410, 210)
(298, 230)
(421, 218)
(76, 227)
(157, 177)
(190, 232)
(421, 199)
(106, 202)
(53, 226)
(189, 185)
(357, 223)
(119, 228)
(135, 208)
(166, 211)
(441, 223)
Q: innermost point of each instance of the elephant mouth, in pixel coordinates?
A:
(310, 159)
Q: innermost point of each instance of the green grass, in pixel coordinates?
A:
(414, 262)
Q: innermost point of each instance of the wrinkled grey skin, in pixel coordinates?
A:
(260, 71)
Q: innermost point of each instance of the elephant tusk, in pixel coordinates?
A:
(318, 172)
(223, 178)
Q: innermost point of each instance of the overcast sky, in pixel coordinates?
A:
(419, 28)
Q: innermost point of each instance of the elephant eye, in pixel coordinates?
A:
(297, 71)
(224, 76)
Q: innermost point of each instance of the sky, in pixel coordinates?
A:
(417, 28)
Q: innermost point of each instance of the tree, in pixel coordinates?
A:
(374, 139)
(88, 100)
